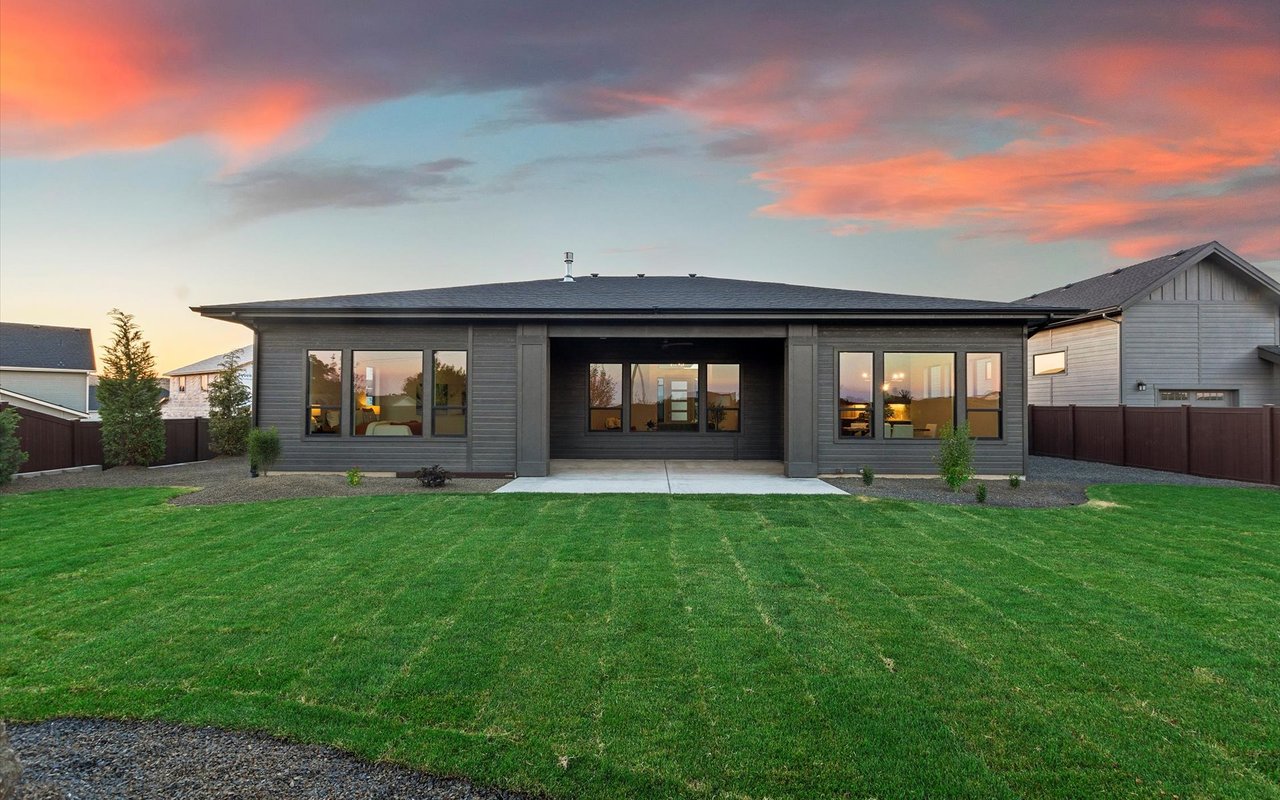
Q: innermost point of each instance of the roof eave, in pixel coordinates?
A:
(245, 315)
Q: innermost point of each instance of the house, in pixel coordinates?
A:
(1197, 327)
(187, 387)
(46, 368)
(505, 377)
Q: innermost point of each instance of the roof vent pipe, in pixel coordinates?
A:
(568, 267)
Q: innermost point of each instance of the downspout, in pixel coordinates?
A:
(1119, 357)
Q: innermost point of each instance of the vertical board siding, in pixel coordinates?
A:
(281, 361)
(1099, 434)
(916, 456)
(1093, 364)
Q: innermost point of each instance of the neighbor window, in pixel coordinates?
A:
(324, 392)
(182, 383)
(983, 407)
(664, 397)
(919, 394)
(204, 382)
(449, 397)
(604, 397)
(855, 397)
(1054, 363)
(724, 397)
(386, 390)
(1174, 395)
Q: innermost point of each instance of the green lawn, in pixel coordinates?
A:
(676, 646)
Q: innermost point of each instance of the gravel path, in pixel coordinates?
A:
(226, 480)
(1051, 482)
(85, 759)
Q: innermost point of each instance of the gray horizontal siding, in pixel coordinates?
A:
(916, 456)
(761, 387)
(66, 389)
(1093, 365)
(281, 400)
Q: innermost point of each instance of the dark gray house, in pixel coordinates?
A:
(1197, 327)
(506, 377)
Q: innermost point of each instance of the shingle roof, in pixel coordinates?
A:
(622, 295)
(1117, 287)
(45, 347)
(213, 363)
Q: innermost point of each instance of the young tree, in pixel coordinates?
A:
(229, 409)
(11, 454)
(132, 429)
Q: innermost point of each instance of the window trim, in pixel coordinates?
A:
(1037, 374)
(308, 405)
(999, 410)
(875, 407)
(182, 383)
(466, 393)
(704, 383)
(955, 388)
(351, 391)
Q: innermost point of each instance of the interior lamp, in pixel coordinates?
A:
(376, 409)
(315, 413)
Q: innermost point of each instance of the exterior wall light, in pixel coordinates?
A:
(1142, 386)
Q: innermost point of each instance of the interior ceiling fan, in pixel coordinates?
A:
(667, 344)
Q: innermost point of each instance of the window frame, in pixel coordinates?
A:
(351, 391)
(622, 395)
(308, 405)
(466, 395)
(704, 382)
(999, 409)
(182, 384)
(1035, 373)
(874, 406)
(204, 381)
(955, 388)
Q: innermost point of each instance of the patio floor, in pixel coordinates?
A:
(595, 476)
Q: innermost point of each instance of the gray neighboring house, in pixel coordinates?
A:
(1197, 327)
(188, 387)
(506, 377)
(46, 368)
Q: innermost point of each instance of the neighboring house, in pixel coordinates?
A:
(187, 387)
(1197, 327)
(46, 368)
(506, 377)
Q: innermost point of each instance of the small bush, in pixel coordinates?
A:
(432, 477)
(868, 476)
(264, 448)
(1015, 481)
(982, 493)
(955, 456)
(11, 455)
(354, 477)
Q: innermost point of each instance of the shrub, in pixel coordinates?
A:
(982, 493)
(955, 456)
(1015, 481)
(354, 477)
(229, 421)
(11, 455)
(129, 398)
(432, 477)
(264, 448)
(868, 476)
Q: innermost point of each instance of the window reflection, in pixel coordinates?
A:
(664, 397)
(449, 398)
(918, 394)
(724, 403)
(855, 395)
(604, 397)
(983, 379)
(386, 389)
(324, 392)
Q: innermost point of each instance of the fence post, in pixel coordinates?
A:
(1186, 439)
(1268, 472)
(1124, 443)
(195, 440)
(1071, 428)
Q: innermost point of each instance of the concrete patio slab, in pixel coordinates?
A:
(588, 476)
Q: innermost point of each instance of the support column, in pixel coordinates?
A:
(800, 419)
(533, 401)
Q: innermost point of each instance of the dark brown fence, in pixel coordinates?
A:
(54, 443)
(1240, 444)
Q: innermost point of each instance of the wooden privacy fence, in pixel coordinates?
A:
(55, 443)
(1241, 444)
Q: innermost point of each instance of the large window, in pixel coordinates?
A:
(919, 394)
(386, 390)
(983, 382)
(724, 397)
(1054, 363)
(604, 397)
(856, 393)
(664, 397)
(324, 392)
(449, 398)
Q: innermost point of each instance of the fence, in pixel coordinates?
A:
(1240, 444)
(54, 443)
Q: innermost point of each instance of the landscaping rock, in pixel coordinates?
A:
(10, 769)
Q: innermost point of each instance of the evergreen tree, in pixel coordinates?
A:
(129, 396)
(229, 409)
(11, 454)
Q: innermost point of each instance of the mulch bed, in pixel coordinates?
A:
(87, 759)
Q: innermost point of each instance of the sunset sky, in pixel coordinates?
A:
(158, 155)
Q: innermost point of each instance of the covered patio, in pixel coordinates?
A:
(669, 476)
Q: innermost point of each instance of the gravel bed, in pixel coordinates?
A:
(226, 480)
(87, 759)
(1051, 482)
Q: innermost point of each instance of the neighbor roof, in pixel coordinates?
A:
(214, 363)
(620, 296)
(1119, 288)
(45, 347)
